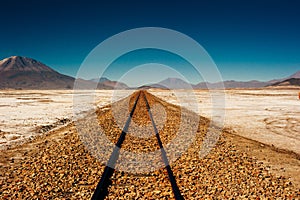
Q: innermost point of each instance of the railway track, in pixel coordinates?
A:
(102, 188)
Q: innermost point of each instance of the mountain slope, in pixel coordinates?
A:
(105, 83)
(295, 75)
(231, 84)
(288, 82)
(18, 72)
(174, 83)
(23, 64)
(102, 79)
(112, 84)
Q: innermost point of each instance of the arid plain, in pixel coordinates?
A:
(268, 116)
(264, 124)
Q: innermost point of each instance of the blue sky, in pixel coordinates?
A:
(152, 65)
(246, 39)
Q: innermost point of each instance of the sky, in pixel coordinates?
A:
(248, 40)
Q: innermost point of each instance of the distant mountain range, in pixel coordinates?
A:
(176, 83)
(18, 72)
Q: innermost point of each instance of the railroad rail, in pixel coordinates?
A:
(102, 188)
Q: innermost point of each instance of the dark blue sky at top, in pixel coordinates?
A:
(246, 39)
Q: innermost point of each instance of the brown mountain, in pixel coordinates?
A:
(288, 82)
(18, 72)
(113, 84)
(295, 75)
(176, 83)
(105, 83)
(231, 84)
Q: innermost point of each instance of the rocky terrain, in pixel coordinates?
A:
(58, 166)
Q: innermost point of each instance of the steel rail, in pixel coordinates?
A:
(172, 179)
(102, 187)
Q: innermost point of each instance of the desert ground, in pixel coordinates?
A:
(25, 114)
(269, 116)
(260, 123)
(268, 119)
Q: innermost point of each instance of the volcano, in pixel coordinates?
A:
(19, 72)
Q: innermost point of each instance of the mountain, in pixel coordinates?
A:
(296, 75)
(105, 83)
(18, 72)
(231, 84)
(112, 85)
(145, 87)
(288, 82)
(23, 64)
(102, 79)
(174, 83)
